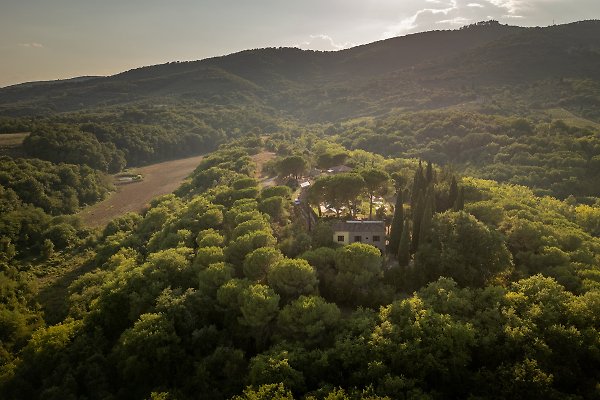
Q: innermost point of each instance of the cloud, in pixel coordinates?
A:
(31, 45)
(512, 6)
(449, 14)
(323, 43)
(454, 21)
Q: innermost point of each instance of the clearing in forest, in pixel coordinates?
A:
(10, 143)
(158, 179)
(260, 159)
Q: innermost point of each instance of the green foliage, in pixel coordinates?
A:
(259, 305)
(172, 304)
(309, 320)
(274, 191)
(460, 247)
(292, 165)
(60, 144)
(376, 184)
(291, 278)
(275, 207)
(338, 190)
(358, 269)
(275, 391)
(396, 229)
(260, 261)
(56, 188)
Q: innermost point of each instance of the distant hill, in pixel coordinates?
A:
(424, 70)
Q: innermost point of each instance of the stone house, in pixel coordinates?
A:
(369, 232)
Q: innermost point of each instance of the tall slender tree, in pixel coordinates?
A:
(418, 185)
(459, 203)
(427, 218)
(429, 172)
(452, 193)
(397, 224)
(404, 246)
(417, 214)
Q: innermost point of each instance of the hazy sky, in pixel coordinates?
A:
(55, 39)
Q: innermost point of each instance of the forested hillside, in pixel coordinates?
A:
(220, 286)
(477, 150)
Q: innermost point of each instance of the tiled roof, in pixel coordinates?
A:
(359, 226)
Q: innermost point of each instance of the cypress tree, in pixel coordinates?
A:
(426, 220)
(459, 204)
(452, 193)
(404, 246)
(429, 172)
(417, 214)
(418, 185)
(396, 228)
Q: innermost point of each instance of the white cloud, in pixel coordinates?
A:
(31, 45)
(512, 6)
(323, 43)
(449, 14)
(454, 21)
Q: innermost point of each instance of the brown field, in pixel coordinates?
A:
(12, 139)
(159, 179)
(260, 159)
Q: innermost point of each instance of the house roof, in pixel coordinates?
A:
(359, 226)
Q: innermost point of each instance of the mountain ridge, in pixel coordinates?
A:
(294, 80)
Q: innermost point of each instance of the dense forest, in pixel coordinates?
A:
(485, 175)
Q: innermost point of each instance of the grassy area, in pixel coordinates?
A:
(570, 118)
(54, 278)
(12, 139)
(158, 179)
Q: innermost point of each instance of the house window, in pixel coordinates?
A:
(358, 238)
(340, 238)
(376, 238)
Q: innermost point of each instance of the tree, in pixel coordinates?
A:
(418, 186)
(259, 305)
(258, 262)
(397, 224)
(273, 391)
(212, 277)
(459, 203)
(376, 183)
(358, 267)
(274, 206)
(464, 249)
(292, 277)
(404, 246)
(292, 165)
(148, 353)
(316, 193)
(425, 225)
(341, 190)
(47, 249)
(452, 194)
(308, 320)
(429, 173)
(417, 214)
(272, 368)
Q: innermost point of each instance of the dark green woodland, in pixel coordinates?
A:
(478, 148)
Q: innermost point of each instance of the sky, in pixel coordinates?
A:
(58, 39)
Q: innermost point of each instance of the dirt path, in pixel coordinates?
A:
(159, 179)
(260, 159)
